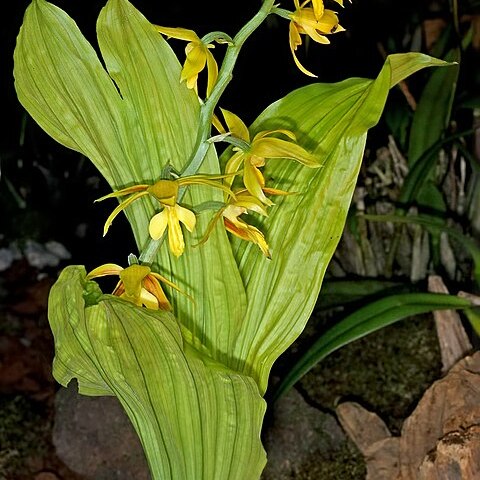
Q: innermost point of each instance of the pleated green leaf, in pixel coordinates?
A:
(303, 230)
(196, 419)
(131, 120)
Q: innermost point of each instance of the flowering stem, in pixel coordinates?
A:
(281, 12)
(224, 78)
(207, 109)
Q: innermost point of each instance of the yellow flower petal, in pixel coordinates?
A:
(123, 191)
(267, 133)
(249, 202)
(328, 23)
(276, 191)
(176, 242)
(295, 42)
(236, 126)
(179, 33)
(218, 124)
(212, 69)
(318, 8)
(165, 191)
(137, 284)
(119, 208)
(158, 224)
(248, 232)
(316, 22)
(194, 63)
(153, 286)
(132, 278)
(210, 227)
(119, 289)
(254, 181)
(157, 277)
(278, 148)
(234, 163)
(197, 56)
(207, 180)
(104, 270)
(315, 36)
(186, 216)
(148, 299)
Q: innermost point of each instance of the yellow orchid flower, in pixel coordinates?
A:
(138, 285)
(238, 227)
(172, 214)
(263, 146)
(243, 203)
(315, 22)
(243, 230)
(197, 56)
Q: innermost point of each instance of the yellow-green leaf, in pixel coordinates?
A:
(331, 121)
(131, 121)
(196, 418)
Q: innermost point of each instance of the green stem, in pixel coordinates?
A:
(224, 78)
(207, 109)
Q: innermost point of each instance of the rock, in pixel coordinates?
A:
(440, 439)
(48, 255)
(450, 404)
(364, 427)
(456, 455)
(8, 256)
(46, 476)
(297, 435)
(94, 437)
(58, 250)
(38, 256)
(373, 439)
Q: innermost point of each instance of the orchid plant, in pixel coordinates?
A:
(233, 243)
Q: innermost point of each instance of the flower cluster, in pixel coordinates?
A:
(246, 195)
(316, 22)
(309, 18)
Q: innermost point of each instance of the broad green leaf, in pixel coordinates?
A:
(196, 419)
(366, 320)
(336, 293)
(432, 114)
(303, 230)
(131, 121)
